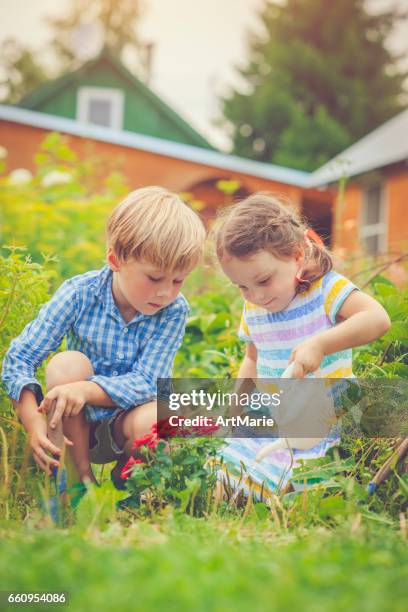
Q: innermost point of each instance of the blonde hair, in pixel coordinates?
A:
(264, 222)
(155, 225)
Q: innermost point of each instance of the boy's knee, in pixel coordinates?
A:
(138, 421)
(67, 367)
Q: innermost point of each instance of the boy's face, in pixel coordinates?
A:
(139, 286)
(264, 279)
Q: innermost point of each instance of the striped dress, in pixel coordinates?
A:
(275, 335)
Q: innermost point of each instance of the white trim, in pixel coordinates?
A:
(379, 229)
(107, 94)
(387, 144)
(157, 146)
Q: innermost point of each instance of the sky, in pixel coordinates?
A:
(197, 44)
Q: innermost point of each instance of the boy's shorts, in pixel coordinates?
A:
(102, 446)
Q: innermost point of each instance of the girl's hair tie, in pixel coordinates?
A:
(311, 236)
(304, 282)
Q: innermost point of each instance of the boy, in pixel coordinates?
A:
(123, 324)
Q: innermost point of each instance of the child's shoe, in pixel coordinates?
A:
(118, 482)
(62, 496)
(53, 506)
(76, 493)
(127, 503)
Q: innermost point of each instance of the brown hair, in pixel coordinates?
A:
(263, 222)
(154, 224)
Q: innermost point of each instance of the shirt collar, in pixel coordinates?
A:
(104, 291)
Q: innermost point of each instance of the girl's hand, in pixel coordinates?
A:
(69, 400)
(41, 446)
(307, 357)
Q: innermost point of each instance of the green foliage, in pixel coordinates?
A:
(176, 472)
(302, 140)
(211, 348)
(117, 22)
(387, 356)
(23, 72)
(24, 288)
(62, 210)
(318, 78)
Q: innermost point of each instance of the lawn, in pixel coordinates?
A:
(177, 562)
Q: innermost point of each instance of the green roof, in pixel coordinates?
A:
(45, 93)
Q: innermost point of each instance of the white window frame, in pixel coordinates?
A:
(379, 229)
(114, 96)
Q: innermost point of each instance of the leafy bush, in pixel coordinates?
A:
(61, 210)
(211, 347)
(177, 471)
(387, 356)
(24, 287)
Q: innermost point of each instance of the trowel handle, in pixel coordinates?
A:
(288, 373)
(55, 435)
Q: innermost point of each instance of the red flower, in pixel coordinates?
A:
(147, 440)
(153, 443)
(206, 429)
(125, 473)
(164, 430)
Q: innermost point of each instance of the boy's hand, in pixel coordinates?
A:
(307, 357)
(68, 399)
(41, 445)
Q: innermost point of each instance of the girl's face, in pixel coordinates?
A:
(264, 279)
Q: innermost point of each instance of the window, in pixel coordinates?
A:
(373, 222)
(101, 105)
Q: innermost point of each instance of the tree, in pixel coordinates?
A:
(320, 78)
(117, 21)
(23, 72)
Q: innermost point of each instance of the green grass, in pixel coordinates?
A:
(180, 563)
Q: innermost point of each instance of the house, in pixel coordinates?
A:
(367, 215)
(133, 123)
(356, 202)
(104, 92)
(373, 212)
(148, 160)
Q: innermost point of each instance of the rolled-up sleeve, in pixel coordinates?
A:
(38, 339)
(155, 361)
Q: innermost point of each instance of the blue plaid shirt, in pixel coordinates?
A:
(127, 358)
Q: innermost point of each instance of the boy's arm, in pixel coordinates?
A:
(36, 428)
(26, 410)
(156, 361)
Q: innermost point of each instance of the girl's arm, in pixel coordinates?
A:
(361, 320)
(247, 371)
(247, 368)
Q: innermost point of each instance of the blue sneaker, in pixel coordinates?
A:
(53, 506)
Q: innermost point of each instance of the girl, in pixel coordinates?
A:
(297, 309)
